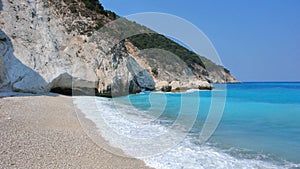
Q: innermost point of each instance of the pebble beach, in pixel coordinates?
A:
(43, 132)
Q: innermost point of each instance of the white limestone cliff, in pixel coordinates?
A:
(45, 46)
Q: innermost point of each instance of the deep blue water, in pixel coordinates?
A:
(260, 120)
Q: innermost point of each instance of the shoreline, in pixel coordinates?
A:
(42, 131)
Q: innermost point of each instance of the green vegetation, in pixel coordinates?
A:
(73, 8)
(154, 71)
(153, 40)
(94, 5)
(146, 41)
(99, 25)
(88, 8)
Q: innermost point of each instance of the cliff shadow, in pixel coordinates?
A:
(1, 5)
(15, 77)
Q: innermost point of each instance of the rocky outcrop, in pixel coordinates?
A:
(169, 72)
(121, 74)
(49, 45)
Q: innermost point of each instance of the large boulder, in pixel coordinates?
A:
(163, 86)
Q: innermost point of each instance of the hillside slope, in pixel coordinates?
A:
(61, 45)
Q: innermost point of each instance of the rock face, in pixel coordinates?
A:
(3, 50)
(46, 45)
(170, 72)
(121, 74)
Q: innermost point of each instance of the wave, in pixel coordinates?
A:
(130, 123)
(189, 155)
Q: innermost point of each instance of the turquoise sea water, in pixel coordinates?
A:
(263, 117)
(259, 128)
(259, 119)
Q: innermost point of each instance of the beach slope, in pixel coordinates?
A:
(43, 132)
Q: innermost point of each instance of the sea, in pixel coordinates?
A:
(246, 125)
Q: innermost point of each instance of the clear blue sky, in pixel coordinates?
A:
(258, 40)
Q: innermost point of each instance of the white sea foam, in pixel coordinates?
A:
(187, 91)
(131, 123)
(191, 156)
(193, 90)
(127, 128)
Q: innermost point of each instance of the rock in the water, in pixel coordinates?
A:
(205, 86)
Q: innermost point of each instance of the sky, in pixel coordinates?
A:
(257, 40)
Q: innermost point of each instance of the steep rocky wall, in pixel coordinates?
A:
(45, 46)
(42, 43)
(15, 75)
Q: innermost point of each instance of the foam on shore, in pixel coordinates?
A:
(187, 154)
